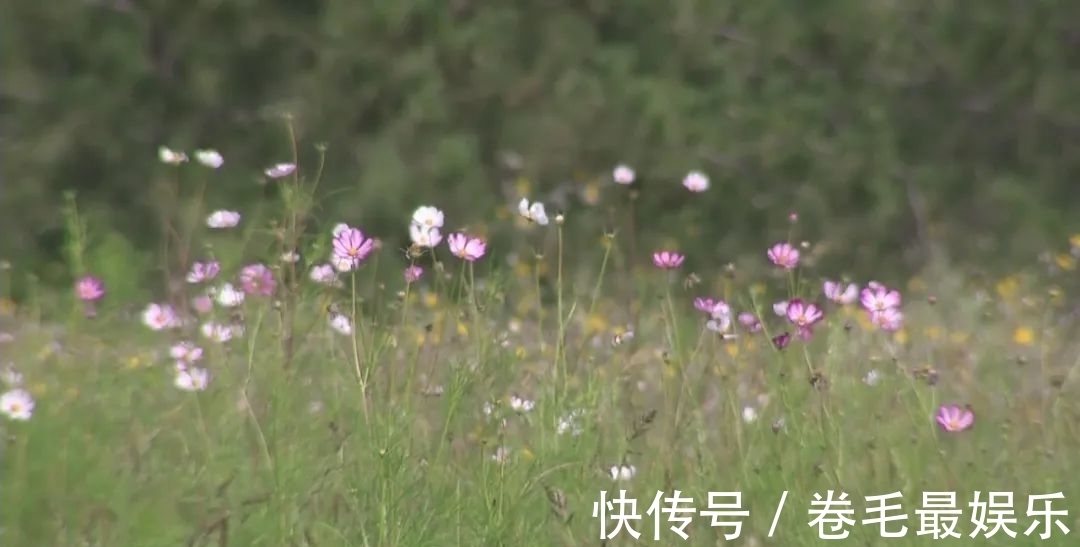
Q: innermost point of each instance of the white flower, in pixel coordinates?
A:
(501, 455)
(428, 217)
(622, 472)
(279, 170)
(223, 219)
(534, 212)
(623, 174)
(229, 296)
(323, 274)
(192, 378)
(749, 414)
(291, 257)
(696, 181)
(171, 157)
(341, 323)
(220, 332)
(721, 324)
(160, 317)
(569, 424)
(519, 404)
(342, 263)
(872, 378)
(209, 158)
(424, 237)
(17, 404)
(780, 308)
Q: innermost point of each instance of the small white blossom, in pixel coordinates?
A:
(341, 323)
(519, 404)
(696, 181)
(223, 219)
(533, 212)
(229, 296)
(279, 170)
(209, 158)
(623, 174)
(17, 404)
(171, 157)
(622, 472)
(192, 378)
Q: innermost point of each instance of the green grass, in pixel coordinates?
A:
(309, 437)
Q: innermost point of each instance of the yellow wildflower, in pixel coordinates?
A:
(1023, 336)
(1065, 261)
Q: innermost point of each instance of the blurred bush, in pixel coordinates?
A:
(885, 124)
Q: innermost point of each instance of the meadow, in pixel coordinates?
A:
(280, 391)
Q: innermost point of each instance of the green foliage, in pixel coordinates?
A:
(887, 125)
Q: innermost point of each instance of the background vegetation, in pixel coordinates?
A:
(887, 125)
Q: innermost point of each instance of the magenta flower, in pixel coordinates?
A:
(877, 298)
(840, 294)
(465, 247)
(257, 279)
(89, 288)
(784, 255)
(413, 274)
(781, 340)
(954, 418)
(749, 321)
(667, 260)
(803, 314)
(351, 247)
(203, 271)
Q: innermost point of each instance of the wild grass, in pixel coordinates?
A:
(471, 407)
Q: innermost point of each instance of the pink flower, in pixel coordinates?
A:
(623, 174)
(257, 279)
(749, 321)
(203, 271)
(185, 353)
(879, 298)
(840, 294)
(203, 303)
(784, 255)
(160, 317)
(667, 260)
(696, 181)
(351, 247)
(413, 273)
(803, 314)
(954, 419)
(713, 308)
(466, 247)
(889, 319)
(89, 288)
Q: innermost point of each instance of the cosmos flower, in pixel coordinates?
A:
(280, 170)
(203, 271)
(954, 419)
(171, 157)
(533, 212)
(351, 248)
(784, 255)
(222, 219)
(667, 260)
(840, 294)
(89, 288)
(696, 181)
(258, 280)
(209, 158)
(466, 247)
(413, 273)
(160, 317)
(623, 174)
(192, 378)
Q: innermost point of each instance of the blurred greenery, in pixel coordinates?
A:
(887, 125)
